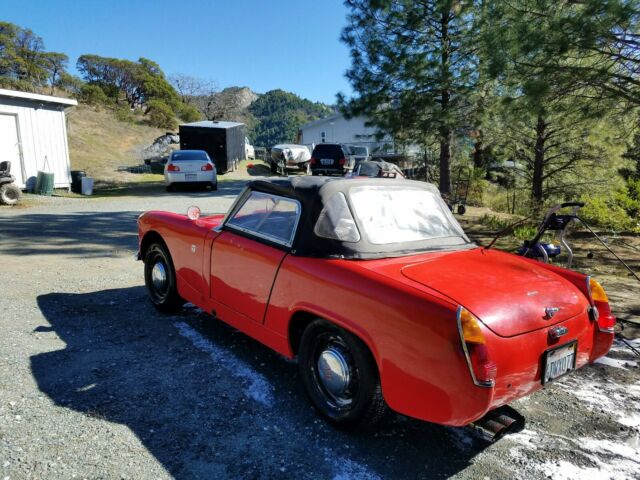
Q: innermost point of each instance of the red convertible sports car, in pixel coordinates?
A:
(377, 290)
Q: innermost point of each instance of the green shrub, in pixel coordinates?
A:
(124, 114)
(612, 212)
(93, 95)
(161, 115)
(189, 113)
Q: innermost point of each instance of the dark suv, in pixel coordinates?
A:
(331, 159)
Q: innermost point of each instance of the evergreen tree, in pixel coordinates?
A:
(413, 66)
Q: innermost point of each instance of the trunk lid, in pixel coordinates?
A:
(508, 294)
(190, 166)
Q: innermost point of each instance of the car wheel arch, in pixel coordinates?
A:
(149, 239)
(302, 318)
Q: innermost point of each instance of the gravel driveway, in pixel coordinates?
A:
(94, 383)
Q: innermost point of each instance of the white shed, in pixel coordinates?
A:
(33, 136)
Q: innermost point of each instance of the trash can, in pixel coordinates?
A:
(87, 186)
(44, 184)
(76, 180)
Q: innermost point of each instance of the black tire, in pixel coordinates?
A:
(274, 167)
(361, 403)
(169, 188)
(9, 194)
(214, 186)
(315, 174)
(163, 295)
(462, 209)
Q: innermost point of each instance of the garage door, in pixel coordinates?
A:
(10, 145)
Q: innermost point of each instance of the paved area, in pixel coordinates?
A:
(94, 383)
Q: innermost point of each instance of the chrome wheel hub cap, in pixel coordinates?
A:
(333, 371)
(159, 276)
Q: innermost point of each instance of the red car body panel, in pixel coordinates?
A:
(403, 309)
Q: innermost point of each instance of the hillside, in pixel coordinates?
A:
(99, 143)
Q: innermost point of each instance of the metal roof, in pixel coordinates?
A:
(36, 97)
(214, 124)
(330, 118)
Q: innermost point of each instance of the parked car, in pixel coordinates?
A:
(378, 291)
(190, 167)
(249, 151)
(331, 159)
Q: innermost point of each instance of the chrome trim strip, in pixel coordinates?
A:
(476, 382)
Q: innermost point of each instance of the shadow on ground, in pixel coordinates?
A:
(145, 189)
(125, 363)
(83, 234)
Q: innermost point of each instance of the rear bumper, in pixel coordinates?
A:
(181, 177)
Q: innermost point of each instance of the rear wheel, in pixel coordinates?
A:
(340, 376)
(214, 186)
(160, 279)
(169, 188)
(9, 194)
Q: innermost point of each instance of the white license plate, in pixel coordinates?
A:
(559, 361)
(190, 177)
(326, 161)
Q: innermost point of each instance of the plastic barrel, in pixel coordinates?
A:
(76, 180)
(44, 184)
(87, 186)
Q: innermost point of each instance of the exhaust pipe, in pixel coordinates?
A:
(498, 422)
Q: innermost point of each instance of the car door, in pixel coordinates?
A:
(247, 254)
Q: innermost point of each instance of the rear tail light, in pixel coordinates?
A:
(600, 310)
(312, 161)
(343, 161)
(207, 167)
(483, 370)
(173, 168)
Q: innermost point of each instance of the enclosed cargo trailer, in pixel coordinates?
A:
(223, 141)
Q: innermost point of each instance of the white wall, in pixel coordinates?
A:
(43, 133)
(339, 130)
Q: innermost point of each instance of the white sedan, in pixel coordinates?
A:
(190, 167)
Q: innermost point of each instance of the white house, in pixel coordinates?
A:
(337, 129)
(33, 136)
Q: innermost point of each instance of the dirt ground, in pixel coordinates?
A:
(94, 383)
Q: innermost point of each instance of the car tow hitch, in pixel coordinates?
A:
(498, 422)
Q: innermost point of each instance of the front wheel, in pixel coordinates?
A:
(9, 194)
(160, 279)
(340, 376)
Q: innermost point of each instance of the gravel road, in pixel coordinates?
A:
(94, 383)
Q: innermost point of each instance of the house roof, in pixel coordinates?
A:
(36, 97)
(210, 124)
(330, 118)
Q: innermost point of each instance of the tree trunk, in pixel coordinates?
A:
(445, 160)
(445, 96)
(538, 163)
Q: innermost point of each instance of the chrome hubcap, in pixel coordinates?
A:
(333, 371)
(159, 276)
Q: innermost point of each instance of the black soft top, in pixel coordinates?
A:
(313, 192)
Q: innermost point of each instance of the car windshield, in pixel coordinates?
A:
(179, 155)
(394, 214)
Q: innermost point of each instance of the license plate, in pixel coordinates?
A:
(326, 161)
(190, 177)
(559, 361)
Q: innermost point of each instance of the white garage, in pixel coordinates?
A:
(33, 136)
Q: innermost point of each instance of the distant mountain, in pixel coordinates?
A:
(279, 115)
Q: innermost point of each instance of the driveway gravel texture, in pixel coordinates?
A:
(94, 383)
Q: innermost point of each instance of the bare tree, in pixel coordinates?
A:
(190, 88)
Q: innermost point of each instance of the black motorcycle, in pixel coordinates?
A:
(9, 191)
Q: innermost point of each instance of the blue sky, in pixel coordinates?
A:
(288, 44)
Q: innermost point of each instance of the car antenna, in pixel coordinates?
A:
(505, 230)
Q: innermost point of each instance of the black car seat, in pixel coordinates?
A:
(5, 168)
